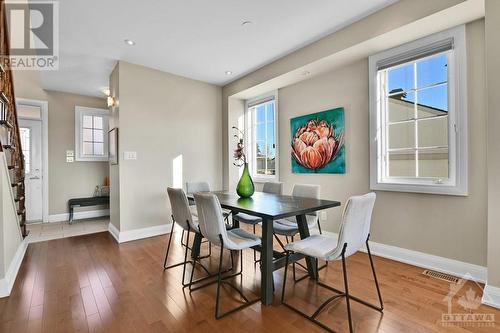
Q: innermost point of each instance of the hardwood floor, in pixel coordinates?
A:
(91, 284)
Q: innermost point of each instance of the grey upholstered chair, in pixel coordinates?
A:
(354, 233)
(268, 187)
(212, 227)
(181, 215)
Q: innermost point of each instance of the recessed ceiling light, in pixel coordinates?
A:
(306, 73)
(245, 23)
(129, 42)
(228, 72)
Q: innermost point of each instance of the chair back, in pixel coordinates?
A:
(307, 191)
(273, 187)
(210, 217)
(180, 208)
(194, 187)
(356, 221)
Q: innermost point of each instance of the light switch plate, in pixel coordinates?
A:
(130, 155)
(70, 159)
(323, 216)
(70, 153)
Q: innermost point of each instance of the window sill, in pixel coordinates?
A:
(453, 190)
(262, 180)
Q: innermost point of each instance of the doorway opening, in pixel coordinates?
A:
(33, 125)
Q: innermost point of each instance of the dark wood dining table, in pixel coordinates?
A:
(271, 207)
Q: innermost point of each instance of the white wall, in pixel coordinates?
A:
(161, 117)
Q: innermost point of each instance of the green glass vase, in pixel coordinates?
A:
(245, 188)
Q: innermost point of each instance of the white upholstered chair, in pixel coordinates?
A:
(354, 233)
(268, 187)
(212, 227)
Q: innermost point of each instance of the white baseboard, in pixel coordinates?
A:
(7, 282)
(88, 214)
(131, 235)
(428, 261)
(491, 296)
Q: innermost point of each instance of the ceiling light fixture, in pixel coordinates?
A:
(306, 73)
(245, 23)
(229, 73)
(129, 42)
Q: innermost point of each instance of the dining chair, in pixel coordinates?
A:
(212, 227)
(288, 226)
(268, 187)
(354, 233)
(181, 215)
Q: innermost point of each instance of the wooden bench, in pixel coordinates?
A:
(85, 202)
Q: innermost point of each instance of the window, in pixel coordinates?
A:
(261, 138)
(91, 134)
(418, 116)
(26, 147)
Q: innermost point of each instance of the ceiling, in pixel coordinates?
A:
(198, 39)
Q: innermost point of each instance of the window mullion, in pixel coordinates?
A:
(415, 116)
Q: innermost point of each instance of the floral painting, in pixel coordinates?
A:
(318, 142)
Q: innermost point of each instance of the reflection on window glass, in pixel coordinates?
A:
(264, 147)
(93, 135)
(416, 132)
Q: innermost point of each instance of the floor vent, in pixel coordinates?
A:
(441, 276)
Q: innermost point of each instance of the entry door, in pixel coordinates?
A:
(31, 142)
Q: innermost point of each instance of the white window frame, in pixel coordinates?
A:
(81, 111)
(457, 183)
(249, 137)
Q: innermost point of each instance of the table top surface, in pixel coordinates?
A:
(272, 206)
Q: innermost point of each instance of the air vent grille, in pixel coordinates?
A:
(441, 276)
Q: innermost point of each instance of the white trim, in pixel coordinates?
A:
(135, 234)
(424, 260)
(491, 296)
(89, 214)
(458, 156)
(80, 111)
(7, 282)
(267, 97)
(44, 109)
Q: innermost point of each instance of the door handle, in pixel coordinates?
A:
(36, 177)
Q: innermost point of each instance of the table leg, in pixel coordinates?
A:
(304, 233)
(195, 250)
(266, 270)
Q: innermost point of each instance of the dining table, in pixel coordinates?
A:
(271, 207)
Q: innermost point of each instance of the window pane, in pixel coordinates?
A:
(433, 132)
(400, 78)
(271, 151)
(260, 149)
(401, 106)
(98, 136)
(97, 122)
(402, 135)
(87, 121)
(99, 148)
(402, 164)
(87, 148)
(260, 132)
(432, 101)
(433, 163)
(270, 111)
(261, 166)
(87, 134)
(432, 71)
(260, 113)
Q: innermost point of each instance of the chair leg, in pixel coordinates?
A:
(255, 251)
(287, 258)
(185, 260)
(168, 246)
(219, 281)
(374, 275)
(346, 290)
(319, 228)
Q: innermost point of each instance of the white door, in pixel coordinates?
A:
(31, 142)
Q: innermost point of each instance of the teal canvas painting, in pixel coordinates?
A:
(318, 142)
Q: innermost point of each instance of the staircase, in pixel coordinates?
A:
(10, 139)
